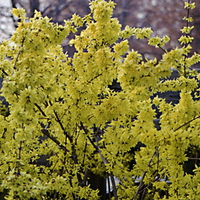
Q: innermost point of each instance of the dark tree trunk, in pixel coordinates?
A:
(34, 5)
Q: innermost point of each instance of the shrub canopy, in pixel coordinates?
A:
(62, 107)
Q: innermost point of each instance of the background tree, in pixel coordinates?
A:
(163, 16)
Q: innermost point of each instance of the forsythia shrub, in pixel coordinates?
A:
(62, 107)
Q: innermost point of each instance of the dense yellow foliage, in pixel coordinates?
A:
(56, 103)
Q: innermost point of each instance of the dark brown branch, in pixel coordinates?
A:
(48, 7)
(33, 5)
(86, 175)
(18, 159)
(52, 138)
(186, 123)
(145, 172)
(40, 109)
(13, 4)
(61, 126)
(71, 185)
(193, 158)
(4, 72)
(18, 54)
(188, 15)
(164, 50)
(74, 155)
(86, 133)
(94, 78)
(82, 127)
(59, 121)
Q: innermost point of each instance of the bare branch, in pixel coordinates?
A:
(186, 123)
(102, 157)
(34, 5)
(61, 126)
(40, 109)
(145, 172)
(46, 133)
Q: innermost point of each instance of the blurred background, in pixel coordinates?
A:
(163, 16)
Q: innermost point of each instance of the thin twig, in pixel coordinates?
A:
(86, 174)
(70, 182)
(145, 172)
(186, 123)
(4, 72)
(103, 159)
(73, 149)
(46, 133)
(188, 15)
(94, 78)
(13, 4)
(18, 54)
(86, 133)
(164, 50)
(62, 127)
(19, 158)
(59, 121)
(193, 158)
(40, 109)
